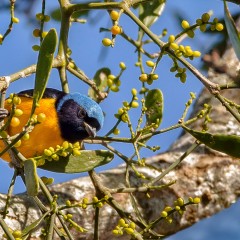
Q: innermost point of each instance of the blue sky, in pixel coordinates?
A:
(88, 53)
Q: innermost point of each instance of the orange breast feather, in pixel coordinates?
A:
(44, 135)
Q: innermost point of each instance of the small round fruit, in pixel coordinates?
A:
(114, 15)
(14, 122)
(116, 30)
(107, 42)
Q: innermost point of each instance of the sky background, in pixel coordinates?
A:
(85, 41)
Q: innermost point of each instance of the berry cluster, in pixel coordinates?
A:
(39, 33)
(115, 29)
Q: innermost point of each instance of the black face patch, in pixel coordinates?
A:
(71, 119)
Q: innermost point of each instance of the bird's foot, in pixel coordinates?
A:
(3, 113)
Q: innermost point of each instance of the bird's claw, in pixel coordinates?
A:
(3, 113)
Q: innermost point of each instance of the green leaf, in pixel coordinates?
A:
(44, 65)
(33, 225)
(31, 177)
(154, 105)
(232, 30)
(100, 79)
(149, 12)
(229, 144)
(88, 160)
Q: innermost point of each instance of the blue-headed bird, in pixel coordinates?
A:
(69, 117)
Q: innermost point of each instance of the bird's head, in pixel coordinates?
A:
(79, 117)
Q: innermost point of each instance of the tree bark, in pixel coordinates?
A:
(211, 175)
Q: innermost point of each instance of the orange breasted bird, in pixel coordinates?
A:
(69, 117)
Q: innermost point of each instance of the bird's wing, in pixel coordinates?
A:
(49, 93)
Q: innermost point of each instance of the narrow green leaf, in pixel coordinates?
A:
(149, 12)
(154, 105)
(33, 225)
(31, 177)
(88, 160)
(232, 30)
(44, 65)
(100, 79)
(229, 144)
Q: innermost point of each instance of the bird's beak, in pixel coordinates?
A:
(90, 130)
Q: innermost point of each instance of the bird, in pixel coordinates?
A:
(70, 117)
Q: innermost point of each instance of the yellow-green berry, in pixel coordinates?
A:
(196, 54)
(132, 225)
(196, 200)
(129, 231)
(164, 214)
(76, 152)
(14, 122)
(134, 91)
(115, 232)
(171, 38)
(143, 77)
(121, 222)
(219, 27)
(205, 17)
(47, 18)
(199, 21)
(185, 24)
(36, 48)
(16, 100)
(124, 117)
(174, 46)
(114, 15)
(39, 16)
(107, 42)
(180, 202)
(65, 144)
(114, 88)
(41, 117)
(177, 208)
(167, 208)
(190, 33)
(18, 112)
(18, 143)
(203, 27)
(17, 234)
(15, 20)
(36, 32)
(154, 76)
(122, 65)
(213, 27)
(26, 136)
(134, 104)
(55, 157)
(150, 63)
(111, 76)
(47, 152)
(116, 131)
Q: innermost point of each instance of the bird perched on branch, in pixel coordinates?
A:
(69, 117)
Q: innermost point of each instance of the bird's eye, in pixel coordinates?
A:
(82, 113)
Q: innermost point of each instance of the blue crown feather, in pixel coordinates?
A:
(91, 107)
